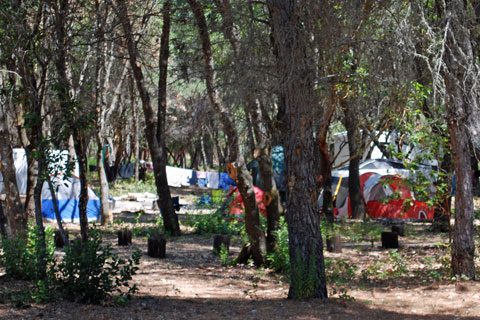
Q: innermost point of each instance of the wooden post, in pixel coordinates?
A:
(399, 229)
(156, 246)
(389, 240)
(220, 239)
(59, 243)
(124, 237)
(334, 244)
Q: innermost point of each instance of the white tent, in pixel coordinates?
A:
(67, 190)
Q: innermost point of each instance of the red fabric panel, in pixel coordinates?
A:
(394, 210)
(237, 206)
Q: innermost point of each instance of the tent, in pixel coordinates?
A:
(385, 196)
(67, 191)
(237, 207)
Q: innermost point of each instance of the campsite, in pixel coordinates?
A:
(269, 159)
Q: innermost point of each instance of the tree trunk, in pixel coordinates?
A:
(42, 253)
(154, 130)
(69, 109)
(57, 212)
(107, 216)
(16, 216)
(461, 88)
(354, 189)
(242, 177)
(303, 217)
(255, 123)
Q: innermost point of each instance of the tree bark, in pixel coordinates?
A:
(243, 178)
(154, 130)
(354, 189)
(69, 110)
(17, 219)
(256, 123)
(303, 217)
(462, 105)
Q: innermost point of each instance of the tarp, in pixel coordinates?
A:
(67, 193)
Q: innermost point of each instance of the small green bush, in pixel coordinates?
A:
(215, 223)
(91, 272)
(279, 260)
(20, 256)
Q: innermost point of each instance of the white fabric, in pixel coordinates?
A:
(175, 176)
(66, 189)
(213, 180)
(186, 176)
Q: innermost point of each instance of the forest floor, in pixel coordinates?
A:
(368, 282)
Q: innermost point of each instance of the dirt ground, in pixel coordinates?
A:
(191, 283)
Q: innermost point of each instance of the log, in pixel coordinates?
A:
(334, 244)
(59, 243)
(399, 229)
(390, 240)
(220, 239)
(124, 237)
(156, 246)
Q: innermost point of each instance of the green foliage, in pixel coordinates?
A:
(340, 271)
(398, 263)
(224, 259)
(357, 231)
(214, 223)
(91, 272)
(20, 256)
(124, 186)
(279, 260)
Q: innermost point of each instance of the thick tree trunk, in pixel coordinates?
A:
(462, 106)
(242, 177)
(354, 189)
(152, 132)
(303, 217)
(16, 216)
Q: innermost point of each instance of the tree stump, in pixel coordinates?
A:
(399, 229)
(59, 243)
(334, 244)
(124, 237)
(220, 239)
(390, 240)
(156, 246)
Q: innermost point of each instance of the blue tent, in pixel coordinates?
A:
(67, 193)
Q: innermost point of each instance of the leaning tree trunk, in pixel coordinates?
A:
(152, 132)
(296, 73)
(242, 177)
(463, 120)
(256, 121)
(354, 189)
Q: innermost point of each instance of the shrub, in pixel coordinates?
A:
(21, 256)
(214, 223)
(279, 260)
(91, 272)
